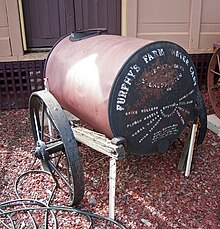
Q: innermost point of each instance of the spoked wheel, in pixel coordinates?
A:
(55, 144)
(214, 82)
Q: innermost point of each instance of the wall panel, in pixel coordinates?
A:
(193, 24)
(5, 48)
(210, 23)
(3, 14)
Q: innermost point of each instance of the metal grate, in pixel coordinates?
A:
(201, 62)
(17, 81)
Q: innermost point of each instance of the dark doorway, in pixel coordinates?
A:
(48, 20)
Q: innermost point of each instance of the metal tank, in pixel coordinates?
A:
(143, 91)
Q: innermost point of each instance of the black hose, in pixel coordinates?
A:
(43, 207)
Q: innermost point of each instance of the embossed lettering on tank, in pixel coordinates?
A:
(154, 98)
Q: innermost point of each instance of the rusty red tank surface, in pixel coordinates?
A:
(141, 90)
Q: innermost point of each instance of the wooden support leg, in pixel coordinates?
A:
(112, 183)
(183, 157)
(191, 148)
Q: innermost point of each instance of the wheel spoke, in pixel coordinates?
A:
(61, 175)
(50, 137)
(36, 126)
(57, 156)
(55, 147)
(54, 140)
(51, 121)
(215, 88)
(42, 122)
(218, 62)
(217, 73)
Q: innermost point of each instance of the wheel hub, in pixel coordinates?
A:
(40, 151)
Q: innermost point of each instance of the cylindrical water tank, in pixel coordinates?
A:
(141, 90)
